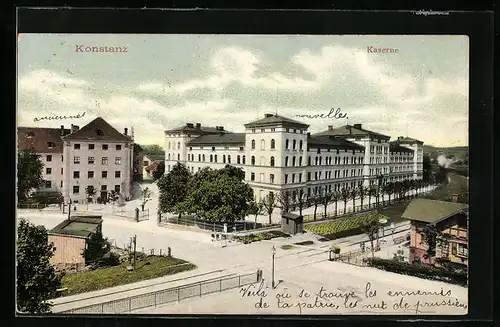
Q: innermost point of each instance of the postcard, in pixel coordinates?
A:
(242, 174)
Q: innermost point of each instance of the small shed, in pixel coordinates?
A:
(70, 239)
(292, 223)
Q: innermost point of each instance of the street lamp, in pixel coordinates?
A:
(381, 221)
(274, 252)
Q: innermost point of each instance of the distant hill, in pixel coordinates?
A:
(458, 152)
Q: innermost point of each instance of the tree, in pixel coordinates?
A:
(388, 189)
(345, 196)
(426, 167)
(154, 149)
(222, 196)
(370, 227)
(97, 247)
(301, 199)
(354, 195)
(406, 188)
(255, 208)
(113, 196)
(91, 192)
(37, 281)
(335, 199)
(362, 192)
(146, 196)
(269, 205)
(326, 199)
(159, 171)
(372, 190)
(29, 173)
(285, 199)
(174, 187)
(316, 200)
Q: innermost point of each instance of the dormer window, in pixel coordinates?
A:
(99, 132)
(30, 135)
(51, 145)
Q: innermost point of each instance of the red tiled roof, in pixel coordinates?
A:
(98, 129)
(153, 166)
(42, 140)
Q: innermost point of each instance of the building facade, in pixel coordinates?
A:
(278, 153)
(95, 155)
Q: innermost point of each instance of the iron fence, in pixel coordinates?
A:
(175, 294)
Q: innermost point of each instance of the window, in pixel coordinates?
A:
(61, 183)
(273, 144)
(262, 144)
(228, 159)
(286, 178)
(213, 148)
(118, 174)
(300, 161)
(286, 144)
(461, 250)
(91, 146)
(309, 161)
(252, 176)
(294, 144)
(199, 157)
(104, 146)
(76, 189)
(203, 156)
(215, 158)
(91, 160)
(90, 174)
(286, 161)
(211, 158)
(48, 171)
(293, 178)
(118, 160)
(271, 178)
(243, 160)
(308, 176)
(223, 158)
(238, 159)
(272, 161)
(253, 144)
(49, 158)
(273, 129)
(262, 130)
(253, 160)
(178, 145)
(104, 174)
(76, 147)
(300, 178)
(76, 160)
(105, 160)
(61, 171)
(145, 163)
(76, 174)
(117, 188)
(241, 148)
(104, 187)
(190, 148)
(300, 145)
(118, 147)
(293, 161)
(62, 158)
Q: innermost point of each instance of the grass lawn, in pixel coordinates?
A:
(287, 247)
(458, 185)
(260, 236)
(339, 228)
(147, 268)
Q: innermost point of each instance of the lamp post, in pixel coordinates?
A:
(274, 252)
(381, 221)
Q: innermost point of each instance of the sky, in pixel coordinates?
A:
(166, 80)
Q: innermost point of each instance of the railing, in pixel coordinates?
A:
(175, 294)
(38, 206)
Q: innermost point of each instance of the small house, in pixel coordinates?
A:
(292, 223)
(70, 239)
(450, 220)
(147, 161)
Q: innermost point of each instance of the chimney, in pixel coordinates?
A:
(221, 128)
(330, 127)
(358, 126)
(217, 128)
(268, 115)
(308, 134)
(454, 198)
(400, 138)
(62, 130)
(125, 132)
(198, 126)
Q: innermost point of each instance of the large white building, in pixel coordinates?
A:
(278, 153)
(96, 155)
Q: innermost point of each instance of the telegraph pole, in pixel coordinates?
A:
(274, 251)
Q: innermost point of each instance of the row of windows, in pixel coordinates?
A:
(76, 189)
(288, 130)
(214, 158)
(91, 146)
(104, 174)
(104, 160)
(171, 145)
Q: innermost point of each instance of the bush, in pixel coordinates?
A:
(110, 259)
(419, 270)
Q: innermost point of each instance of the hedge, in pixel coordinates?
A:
(419, 270)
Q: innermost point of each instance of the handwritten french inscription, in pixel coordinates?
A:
(390, 302)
